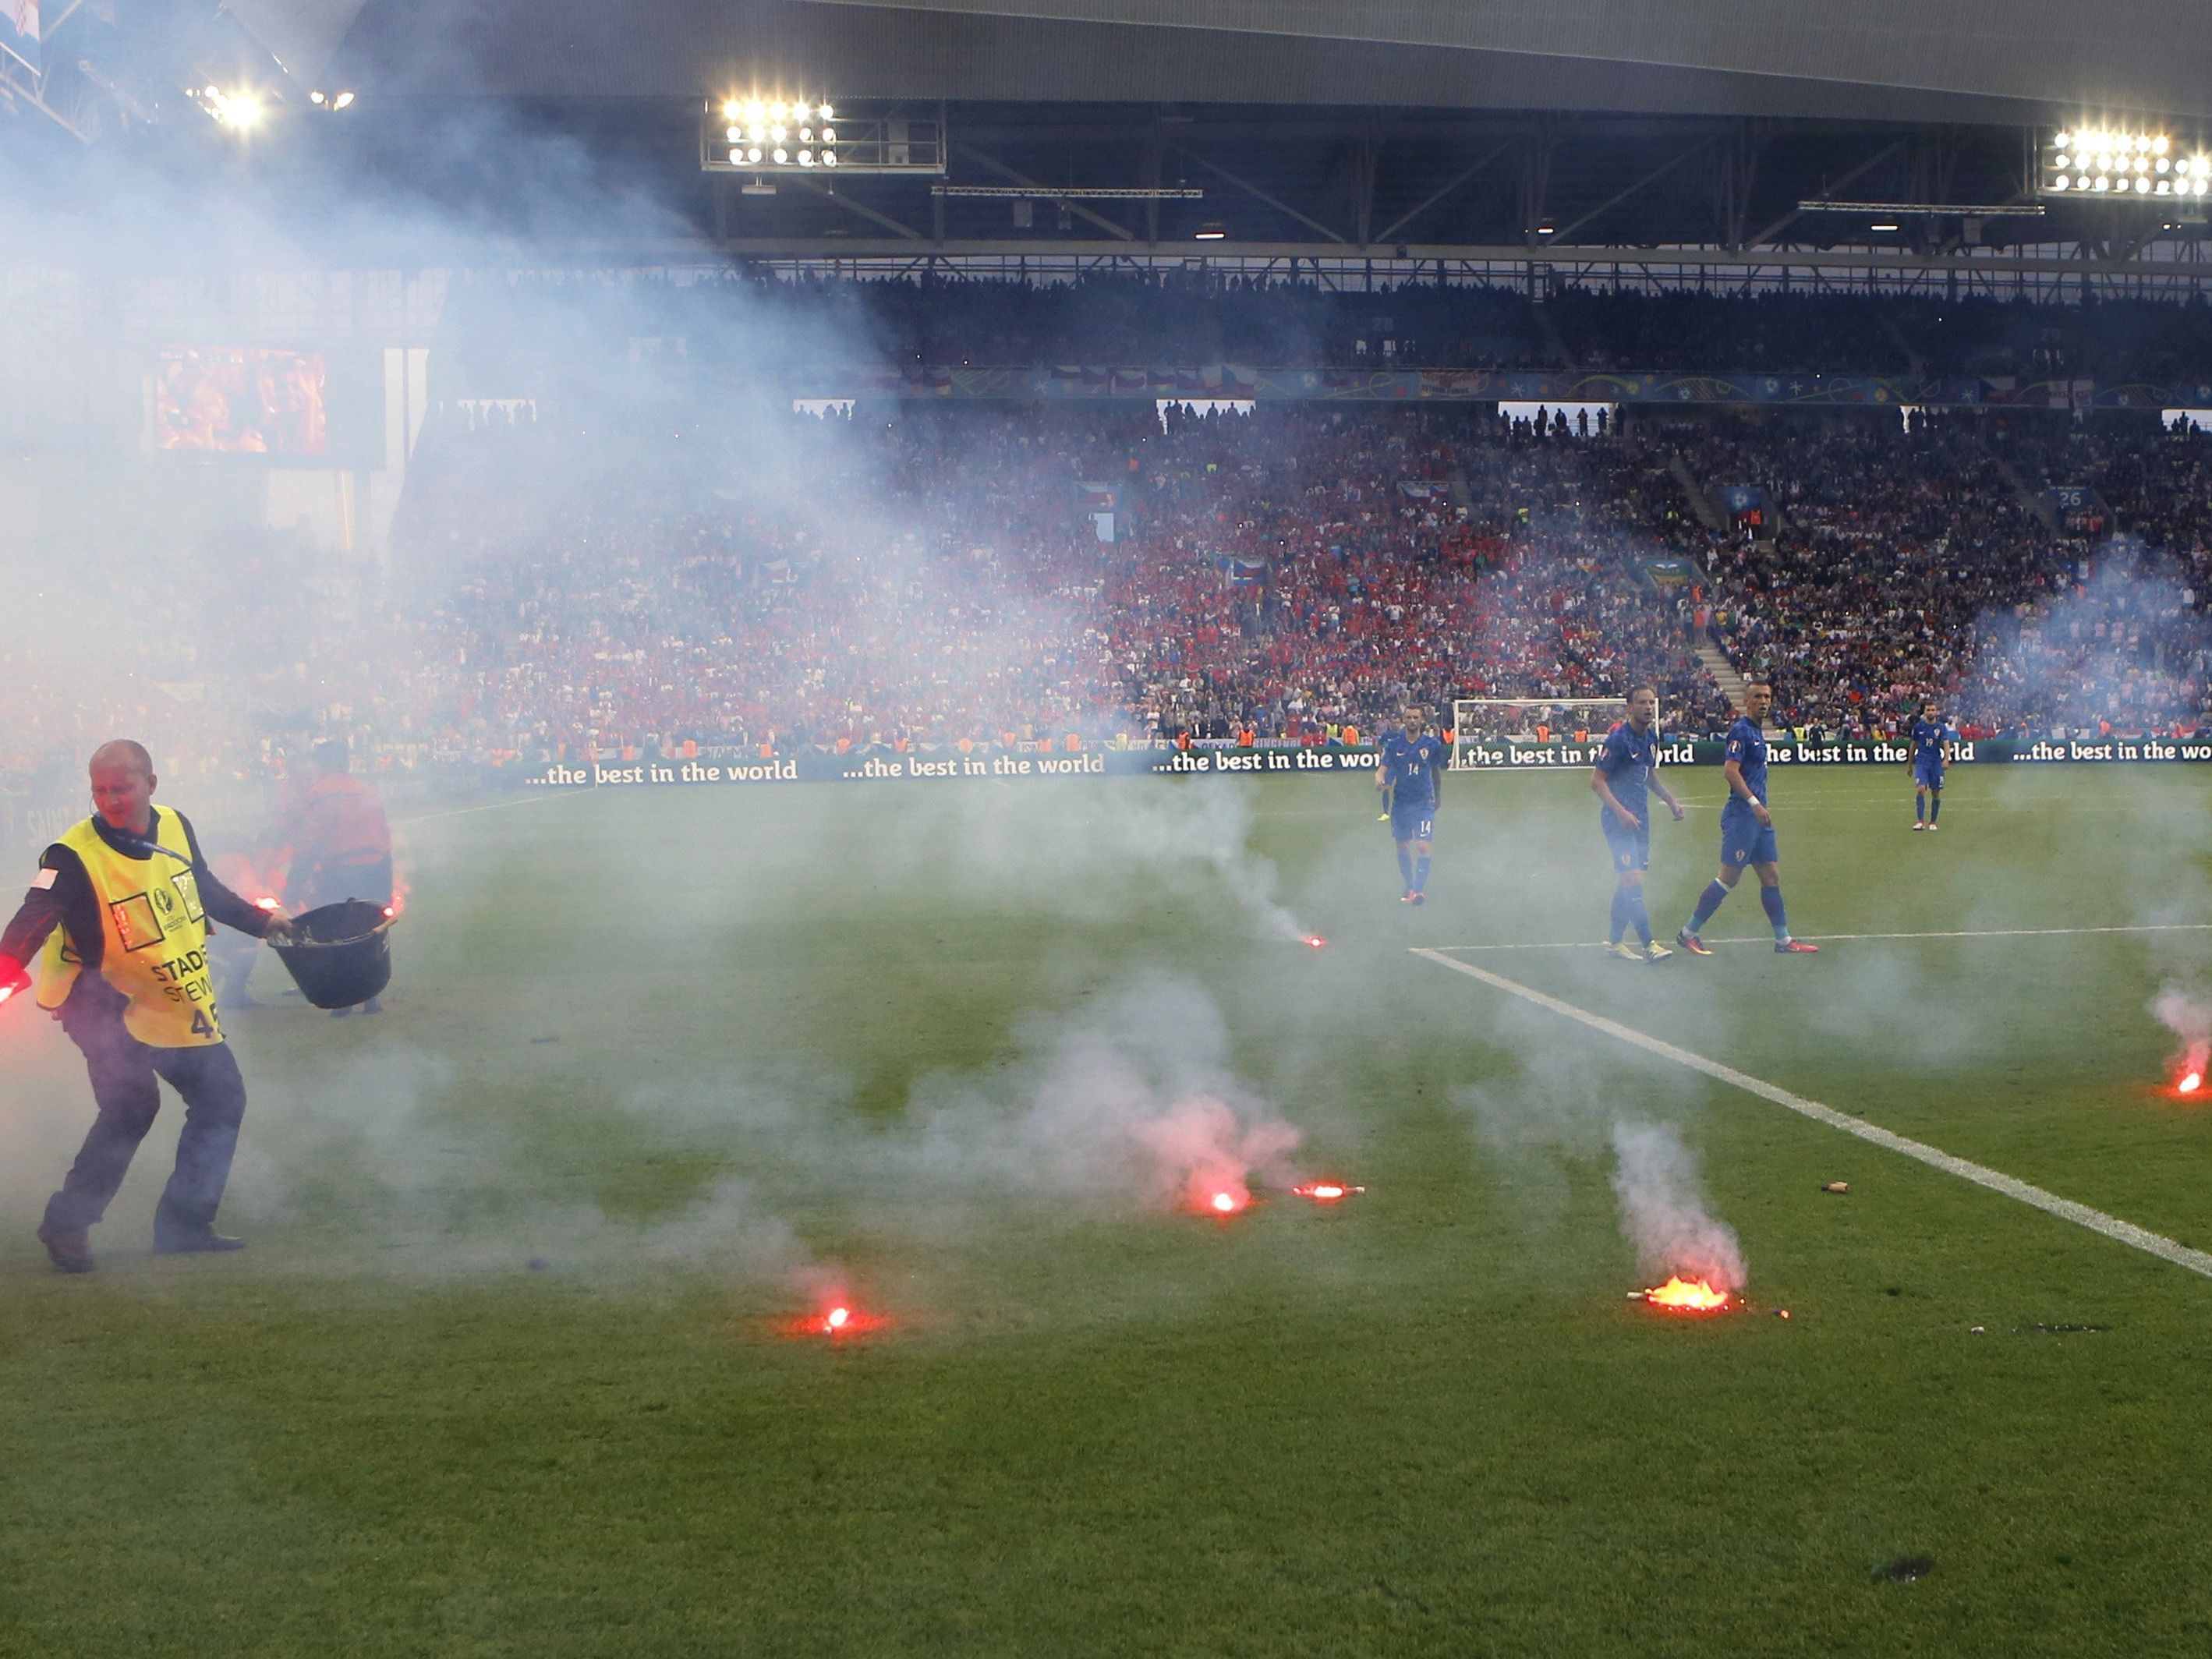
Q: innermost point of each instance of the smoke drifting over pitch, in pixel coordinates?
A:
(1663, 1212)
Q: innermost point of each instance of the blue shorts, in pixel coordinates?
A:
(1745, 840)
(1630, 849)
(1412, 823)
(1926, 775)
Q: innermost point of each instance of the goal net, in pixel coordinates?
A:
(1532, 719)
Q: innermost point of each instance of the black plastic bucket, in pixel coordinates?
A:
(343, 957)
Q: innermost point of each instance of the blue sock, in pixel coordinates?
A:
(1771, 897)
(1421, 873)
(1637, 914)
(1934, 808)
(1708, 902)
(1405, 866)
(1619, 920)
(1920, 806)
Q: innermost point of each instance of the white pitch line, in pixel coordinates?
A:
(492, 805)
(2123, 1232)
(1984, 932)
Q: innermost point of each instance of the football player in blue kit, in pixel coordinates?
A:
(1746, 832)
(1626, 771)
(1930, 741)
(1408, 767)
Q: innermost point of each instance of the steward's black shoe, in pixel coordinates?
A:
(68, 1249)
(192, 1243)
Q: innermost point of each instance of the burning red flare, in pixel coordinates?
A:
(837, 1321)
(1327, 1191)
(1224, 1204)
(265, 903)
(2190, 1083)
(1692, 1296)
(1316, 940)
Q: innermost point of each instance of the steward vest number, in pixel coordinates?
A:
(155, 940)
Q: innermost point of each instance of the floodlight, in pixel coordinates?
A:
(2059, 183)
(2160, 145)
(827, 114)
(1885, 225)
(788, 132)
(1212, 231)
(343, 99)
(315, 98)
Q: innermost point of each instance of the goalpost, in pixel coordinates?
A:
(1493, 720)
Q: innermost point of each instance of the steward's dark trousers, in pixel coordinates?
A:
(124, 1089)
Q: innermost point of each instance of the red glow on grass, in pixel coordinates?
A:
(837, 1321)
(1221, 1198)
(2190, 1083)
(1678, 1295)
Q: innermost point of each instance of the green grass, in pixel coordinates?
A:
(671, 1044)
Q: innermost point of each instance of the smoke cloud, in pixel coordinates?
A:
(1663, 1212)
(2188, 1014)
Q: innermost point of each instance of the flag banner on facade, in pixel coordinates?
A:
(19, 31)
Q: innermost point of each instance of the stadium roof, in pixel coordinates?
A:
(1906, 60)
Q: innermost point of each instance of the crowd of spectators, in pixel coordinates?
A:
(603, 565)
(947, 578)
(2035, 576)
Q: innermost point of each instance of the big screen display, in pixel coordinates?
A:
(241, 400)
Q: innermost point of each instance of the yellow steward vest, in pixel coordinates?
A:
(155, 932)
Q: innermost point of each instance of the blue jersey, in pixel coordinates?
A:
(1928, 741)
(1626, 762)
(1410, 767)
(1747, 747)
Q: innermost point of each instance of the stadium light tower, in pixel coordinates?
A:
(770, 132)
(2121, 162)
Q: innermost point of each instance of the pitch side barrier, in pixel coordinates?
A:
(1788, 752)
(886, 767)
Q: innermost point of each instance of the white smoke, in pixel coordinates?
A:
(1663, 1212)
(2187, 1013)
(1134, 1107)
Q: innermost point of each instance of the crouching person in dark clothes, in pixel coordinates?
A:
(118, 917)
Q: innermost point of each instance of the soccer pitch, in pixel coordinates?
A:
(520, 1362)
